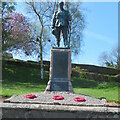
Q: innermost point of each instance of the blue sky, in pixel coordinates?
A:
(100, 34)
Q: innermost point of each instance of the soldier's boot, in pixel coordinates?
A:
(66, 43)
(58, 43)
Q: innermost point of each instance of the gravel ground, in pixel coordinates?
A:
(46, 98)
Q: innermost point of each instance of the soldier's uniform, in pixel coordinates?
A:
(60, 22)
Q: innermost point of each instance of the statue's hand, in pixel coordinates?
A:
(52, 31)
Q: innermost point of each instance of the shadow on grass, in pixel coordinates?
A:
(22, 74)
(78, 82)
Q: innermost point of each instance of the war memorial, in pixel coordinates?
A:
(59, 99)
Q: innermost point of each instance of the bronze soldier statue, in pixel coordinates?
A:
(61, 22)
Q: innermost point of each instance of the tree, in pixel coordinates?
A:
(43, 13)
(15, 30)
(77, 26)
(5, 6)
(111, 59)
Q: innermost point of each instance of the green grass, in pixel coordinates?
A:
(109, 90)
(23, 80)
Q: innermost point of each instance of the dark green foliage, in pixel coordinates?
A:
(9, 7)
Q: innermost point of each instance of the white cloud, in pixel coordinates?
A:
(100, 37)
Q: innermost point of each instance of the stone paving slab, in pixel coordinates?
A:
(46, 98)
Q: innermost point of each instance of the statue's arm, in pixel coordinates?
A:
(69, 20)
(69, 17)
(53, 20)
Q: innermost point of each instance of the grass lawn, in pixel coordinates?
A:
(22, 80)
(109, 90)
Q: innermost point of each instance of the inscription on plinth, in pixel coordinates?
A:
(59, 86)
(60, 70)
(60, 65)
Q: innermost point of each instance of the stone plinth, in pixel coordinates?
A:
(60, 71)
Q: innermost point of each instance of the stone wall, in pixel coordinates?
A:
(12, 110)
